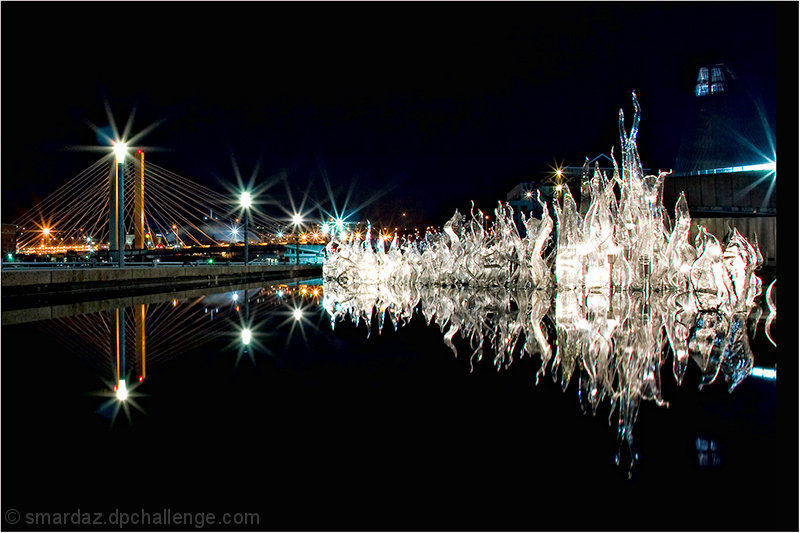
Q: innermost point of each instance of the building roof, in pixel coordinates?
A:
(725, 127)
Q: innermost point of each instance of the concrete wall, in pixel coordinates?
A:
(764, 227)
(49, 276)
(20, 286)
(31, 314)
(727, 194)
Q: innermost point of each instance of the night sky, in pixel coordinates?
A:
(425, 106)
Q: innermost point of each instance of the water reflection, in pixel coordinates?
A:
(615, 343)
(126, 344)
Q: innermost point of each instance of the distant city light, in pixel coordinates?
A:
(46, 231)
(279, 235)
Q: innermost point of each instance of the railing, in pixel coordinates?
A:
(9, 265)
(36, 265)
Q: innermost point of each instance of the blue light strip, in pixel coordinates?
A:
(744, 168)
(764, 373)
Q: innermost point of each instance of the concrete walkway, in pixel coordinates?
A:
(26, 288)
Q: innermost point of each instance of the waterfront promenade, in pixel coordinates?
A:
(28, 288)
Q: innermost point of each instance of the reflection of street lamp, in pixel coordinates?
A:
(118, 352)
(247, 334)
(122, 390)
(246, 201)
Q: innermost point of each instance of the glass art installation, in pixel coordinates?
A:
(617, 285)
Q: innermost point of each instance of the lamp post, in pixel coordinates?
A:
(297, 220)
(246, 201)
(120, 149)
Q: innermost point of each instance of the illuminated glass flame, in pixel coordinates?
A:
(618, 283)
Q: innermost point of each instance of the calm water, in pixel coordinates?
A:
(314, 428)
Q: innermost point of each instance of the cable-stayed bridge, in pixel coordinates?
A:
(145, 209)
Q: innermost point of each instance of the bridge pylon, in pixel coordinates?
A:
(138, 205)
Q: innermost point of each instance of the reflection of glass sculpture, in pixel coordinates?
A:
(613, 341)
(621, 283)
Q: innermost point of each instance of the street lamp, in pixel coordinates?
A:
(297, 220)
(120, 149)
(246, 201)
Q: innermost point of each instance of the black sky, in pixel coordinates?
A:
(431, 104)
